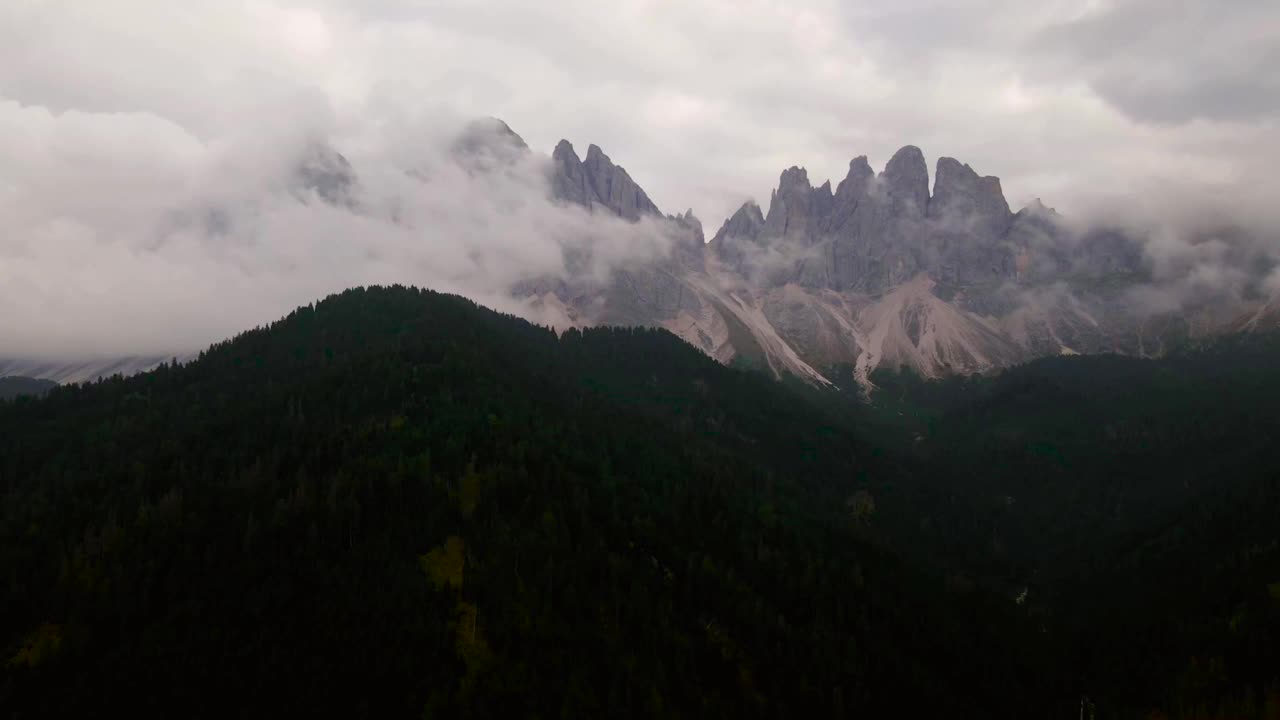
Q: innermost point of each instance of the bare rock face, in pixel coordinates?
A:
(614, 188)
(597, 182)
(877, 272)
(962, 198)
(874, 236)
(569, 182)
(876, 232)
(690, 245)
(747, 223)
(796, 206)
(969, 220)
(1039, 243)
(906, 180)
(738, 239)
(850, 194)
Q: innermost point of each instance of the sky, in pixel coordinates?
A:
(120, 120)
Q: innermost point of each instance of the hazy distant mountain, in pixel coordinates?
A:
(64, 370)
(14, 386)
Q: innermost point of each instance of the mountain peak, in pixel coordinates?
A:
(796, 206)
(615, 188)
(597, 182)
(859, 166)
(906, 178)
(908, 157)
(793, 178)
(961, 195)
(495, 127)
(568, 179)
(1037, 207)
(859, 178)
(746, 222)
(690, 246)
(564, 147)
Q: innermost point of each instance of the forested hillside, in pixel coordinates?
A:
(1130, 503)
(398, 503)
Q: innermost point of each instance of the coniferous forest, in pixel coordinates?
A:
(396, 503)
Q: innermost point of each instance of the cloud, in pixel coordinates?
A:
(126, 234)
(121, 121)
(1174, 62)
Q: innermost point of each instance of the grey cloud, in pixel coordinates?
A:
(126, 235)
(147, 149)
(1174, 62)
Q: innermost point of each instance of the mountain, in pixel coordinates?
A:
(888, 269)
(13, 386)
(885, 272)
(597, 183)
(394, 502)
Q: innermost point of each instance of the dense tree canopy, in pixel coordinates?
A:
(395, 502)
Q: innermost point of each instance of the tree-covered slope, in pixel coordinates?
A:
(396, 502)
(1134, 502)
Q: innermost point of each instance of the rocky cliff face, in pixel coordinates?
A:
(879, 272)
(876, 232)
(597, 183)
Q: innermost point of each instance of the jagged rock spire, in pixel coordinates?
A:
(597, 182)
(569, 181)
(960, 196)
(906, 179)
(746, 223)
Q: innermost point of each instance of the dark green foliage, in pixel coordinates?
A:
(397, 503)
(1136, 501)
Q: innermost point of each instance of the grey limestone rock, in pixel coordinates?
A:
(906, 181)
(569, 182)
(597, 182)
(961, 198)
(614, 188)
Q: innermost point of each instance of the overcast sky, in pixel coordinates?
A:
(1079, 102)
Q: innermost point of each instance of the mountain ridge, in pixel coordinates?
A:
(804, 286)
